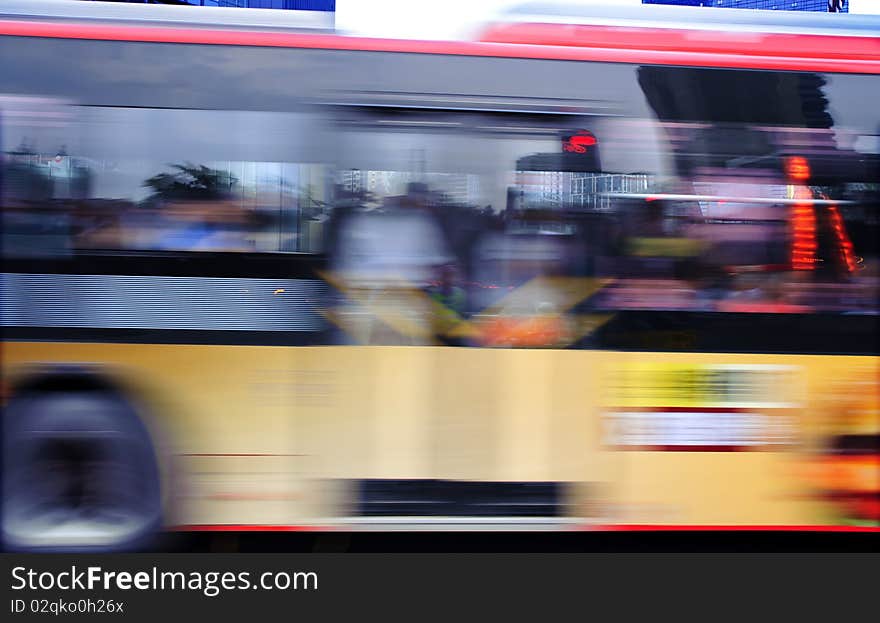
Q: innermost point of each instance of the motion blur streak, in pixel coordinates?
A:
(438, 285)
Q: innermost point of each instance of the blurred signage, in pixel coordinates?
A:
(578, 142)
(743, 386)
(701, 407)
(697, 430)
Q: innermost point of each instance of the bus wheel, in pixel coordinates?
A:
(80, 473)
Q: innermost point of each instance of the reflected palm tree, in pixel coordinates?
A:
(191, 182)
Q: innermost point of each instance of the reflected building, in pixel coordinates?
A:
(571, 180)
(291, 5)
(839, 6)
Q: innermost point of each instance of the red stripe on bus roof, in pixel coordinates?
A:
(673, 39)
(699, 52)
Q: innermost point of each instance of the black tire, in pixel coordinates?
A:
(80, 474)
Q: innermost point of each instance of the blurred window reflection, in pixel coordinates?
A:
(156, 179)
(471, 208)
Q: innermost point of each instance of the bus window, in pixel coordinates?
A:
(422, 197)
(36, 187)
(139, 179)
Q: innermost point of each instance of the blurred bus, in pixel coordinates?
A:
(600, 268)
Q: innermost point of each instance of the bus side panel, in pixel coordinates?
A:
(277, 436)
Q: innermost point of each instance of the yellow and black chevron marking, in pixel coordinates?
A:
(417, 317)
